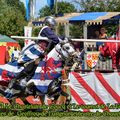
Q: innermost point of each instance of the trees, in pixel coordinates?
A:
(98, 5)
(12, 19)
(63, 7)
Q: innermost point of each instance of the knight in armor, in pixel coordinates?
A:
(48, 31)
(29, 59)
(38, 50)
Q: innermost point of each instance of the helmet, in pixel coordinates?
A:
(50, 21)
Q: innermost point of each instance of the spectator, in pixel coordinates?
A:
(103, 34)
(7, 57)
(97, 34)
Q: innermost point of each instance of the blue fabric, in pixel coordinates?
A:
(88, 16)
(47, 32)
(27, 9)
(46, 71)
(30, 53)
(50, 3)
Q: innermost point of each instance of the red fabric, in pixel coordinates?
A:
(88, 88)
(13, 44)
(4, 75)
(76, 97)
(113, 50)
(2, 55)
(108, 87)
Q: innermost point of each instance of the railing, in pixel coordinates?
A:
(102, 66)
(77, 40)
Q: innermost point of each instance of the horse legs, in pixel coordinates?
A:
(65, 96)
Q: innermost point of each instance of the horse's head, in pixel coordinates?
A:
(66, 49)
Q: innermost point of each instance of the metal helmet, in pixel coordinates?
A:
(50, 21)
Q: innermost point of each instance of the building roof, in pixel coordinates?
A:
(65, 18)
(95, 17)
(4, 38)
(60, 19)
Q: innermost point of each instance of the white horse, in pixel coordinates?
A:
(47, 77)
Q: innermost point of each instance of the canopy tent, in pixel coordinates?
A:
(93, 19)
(63, 20)
(7, 46)
(96, 17)
(86, 18)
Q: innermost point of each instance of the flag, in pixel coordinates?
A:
(92, 59)
(27, 33)
(50, 3)
(27, 9)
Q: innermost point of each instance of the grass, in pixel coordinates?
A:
(58, 118)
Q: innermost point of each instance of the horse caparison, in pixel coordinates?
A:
(50, 70)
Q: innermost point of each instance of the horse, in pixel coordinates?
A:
(47, 79)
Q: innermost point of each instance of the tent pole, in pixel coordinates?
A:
(85, 34)
(119, 30)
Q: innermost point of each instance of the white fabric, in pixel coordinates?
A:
(112, 79)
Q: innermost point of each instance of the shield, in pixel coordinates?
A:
(92, 59)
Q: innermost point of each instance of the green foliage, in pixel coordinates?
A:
(98, 5)
(63, 7)
(17, 5)
(12, 19)
(61, 30)
(76, 30)
(36, 31)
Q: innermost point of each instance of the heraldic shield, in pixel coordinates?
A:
(92, 59)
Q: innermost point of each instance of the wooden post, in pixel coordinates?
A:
(66, 29)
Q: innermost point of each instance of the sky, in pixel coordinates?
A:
(39, 4)
(42, 3)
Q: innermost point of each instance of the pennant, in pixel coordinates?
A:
(50, 3)
(27, 10)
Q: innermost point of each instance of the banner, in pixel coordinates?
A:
(95, 88)
(92, 59)
(27, 10)
(27, 33)
(50, 3)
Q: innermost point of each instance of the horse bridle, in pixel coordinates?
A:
(60, 51)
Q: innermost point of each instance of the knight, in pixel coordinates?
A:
(48, 31)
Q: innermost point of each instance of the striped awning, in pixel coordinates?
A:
(95, 17)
